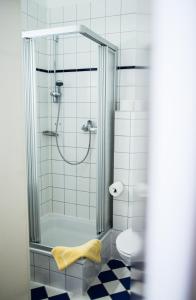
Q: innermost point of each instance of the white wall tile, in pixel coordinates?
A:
(122, 144)
(98, 9)
(75, 270)
(128, 22)
(122, 127)
(121, 160)
(42, 275)
(123, 115)
(83, 11)
(142, 22)
(113, 7)
(120, 208)
(57, 280)
(56, 15)
(113, 24)
(83, 211)
(82, 184)
(46, 208)
(83, 110)
(119, 222)
(127, 93)
(139, 128)
(58, 207)
(41, 261)
(83, 198)
(92, 213)
(70, 209)
(93, 185)
(138, 161)
(139, 144)
(58, 166)
(69, 13)
(121, 175)
(137, 176)
(129, 6)
(58, 180)
(70, 196)
(129, 40)
(70, 182)
(127, 77)
(98, 25)
(58, 194)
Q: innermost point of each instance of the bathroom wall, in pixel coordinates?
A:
(127, 24)
(74, 187)
(14, 256)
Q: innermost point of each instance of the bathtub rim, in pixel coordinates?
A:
(46, 250)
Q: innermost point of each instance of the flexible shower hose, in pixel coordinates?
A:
(57, 142)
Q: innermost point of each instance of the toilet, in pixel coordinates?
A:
(129, 245)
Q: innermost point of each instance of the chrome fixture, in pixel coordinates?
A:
(49, 133)
(89, 126)
(56, 94)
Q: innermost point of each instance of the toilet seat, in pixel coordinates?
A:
(129, 243)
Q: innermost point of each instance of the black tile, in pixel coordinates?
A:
(121, 296)
(115, 264)
(64, 296)
(39, 293)
(135, 297)
(107, 276)
(126, 282)
(97, 291)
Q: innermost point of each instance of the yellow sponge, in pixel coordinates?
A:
(65, 256)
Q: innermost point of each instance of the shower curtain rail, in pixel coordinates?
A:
(69, 30)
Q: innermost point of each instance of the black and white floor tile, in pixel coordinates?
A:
(113, 282)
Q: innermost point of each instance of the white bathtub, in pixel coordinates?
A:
(61, 230)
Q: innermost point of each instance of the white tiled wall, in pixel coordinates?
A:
(74, 186)
(126, 23)
(130, 167)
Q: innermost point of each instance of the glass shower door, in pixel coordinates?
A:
(71, 80)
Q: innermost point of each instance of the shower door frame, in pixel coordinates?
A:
(104, 48)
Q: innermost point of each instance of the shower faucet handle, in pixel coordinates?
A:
(89, 127)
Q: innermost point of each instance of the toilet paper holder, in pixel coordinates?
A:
(116, 189)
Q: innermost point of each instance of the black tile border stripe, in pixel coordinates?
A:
(42, 70)
(89, 69)
(131, 67)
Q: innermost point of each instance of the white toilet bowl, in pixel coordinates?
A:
(129, 245)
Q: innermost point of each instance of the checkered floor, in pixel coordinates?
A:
(113, 282)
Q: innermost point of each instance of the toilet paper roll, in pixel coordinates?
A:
(116, 189)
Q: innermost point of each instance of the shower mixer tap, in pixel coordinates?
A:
(89, 127)
(56, 94)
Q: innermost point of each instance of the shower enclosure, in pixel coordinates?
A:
(70, 95)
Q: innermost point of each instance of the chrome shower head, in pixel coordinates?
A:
(56, 94)
(59, 83)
